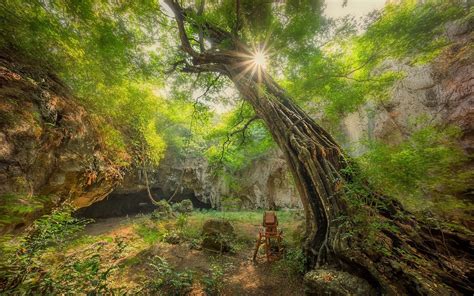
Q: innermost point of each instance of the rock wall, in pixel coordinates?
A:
(49, 145)
(443, 90)
(265, 184)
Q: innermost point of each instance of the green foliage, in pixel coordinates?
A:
(292, 263)
(14, 207)
(184, 207)
(102, 50)
(236, 142)
(89, 275)
(165, 279)
(411, 29)
(421, 167)
(20, 268)
(151, 232)
(350, 69)
(163, 210)
(214, 280)
(363, 221)
(181, 222)
(53, 229)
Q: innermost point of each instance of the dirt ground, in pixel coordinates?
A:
(242, 276)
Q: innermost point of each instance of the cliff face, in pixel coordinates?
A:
(265, 184)
(443, 90)
(51, 149)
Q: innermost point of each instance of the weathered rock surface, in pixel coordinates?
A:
(217, 235)
(266, 183)
(443, 91)
(49, 145)
(328, 282)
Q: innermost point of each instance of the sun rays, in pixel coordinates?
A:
(254, 63)
(259, 59)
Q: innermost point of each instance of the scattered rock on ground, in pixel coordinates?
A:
(173, 238)
(217, 235)
(335, 283)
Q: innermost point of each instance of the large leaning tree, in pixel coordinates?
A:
(411, 258)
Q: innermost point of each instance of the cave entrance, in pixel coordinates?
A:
(122, 203)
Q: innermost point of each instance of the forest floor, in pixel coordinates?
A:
(164, 257)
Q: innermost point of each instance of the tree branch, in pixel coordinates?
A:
(209, 86)
(241, 130)
(204, 68)
(238, 24)
(174, 66)
(201, 33)
(179, 17)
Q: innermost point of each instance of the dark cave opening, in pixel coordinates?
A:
(123, 203)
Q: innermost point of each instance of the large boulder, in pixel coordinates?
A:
(217, 235)
(329, 282)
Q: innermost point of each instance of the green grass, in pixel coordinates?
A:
(245, 224)
(150, 232)
(243, 216)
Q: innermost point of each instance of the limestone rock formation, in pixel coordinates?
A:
(266, 183)
(443, 90)
(50, 147)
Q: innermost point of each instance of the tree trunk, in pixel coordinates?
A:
(407, 257)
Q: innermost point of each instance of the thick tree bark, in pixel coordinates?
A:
(407, 258)
(412, 259)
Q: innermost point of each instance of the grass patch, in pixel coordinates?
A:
(150, 231)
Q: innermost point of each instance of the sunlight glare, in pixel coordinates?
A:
(259, 59)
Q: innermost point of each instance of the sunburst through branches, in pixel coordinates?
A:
(254, 63)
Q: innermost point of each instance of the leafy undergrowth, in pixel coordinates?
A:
(148, 255)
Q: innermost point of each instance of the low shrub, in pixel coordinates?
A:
(292, 263)
(21, 270)
(185, 206)
(167, 280)
(163, 210)
(213, 281)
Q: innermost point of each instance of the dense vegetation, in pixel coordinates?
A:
(127, 65)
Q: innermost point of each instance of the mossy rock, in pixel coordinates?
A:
(217, 235)
(330, 282)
